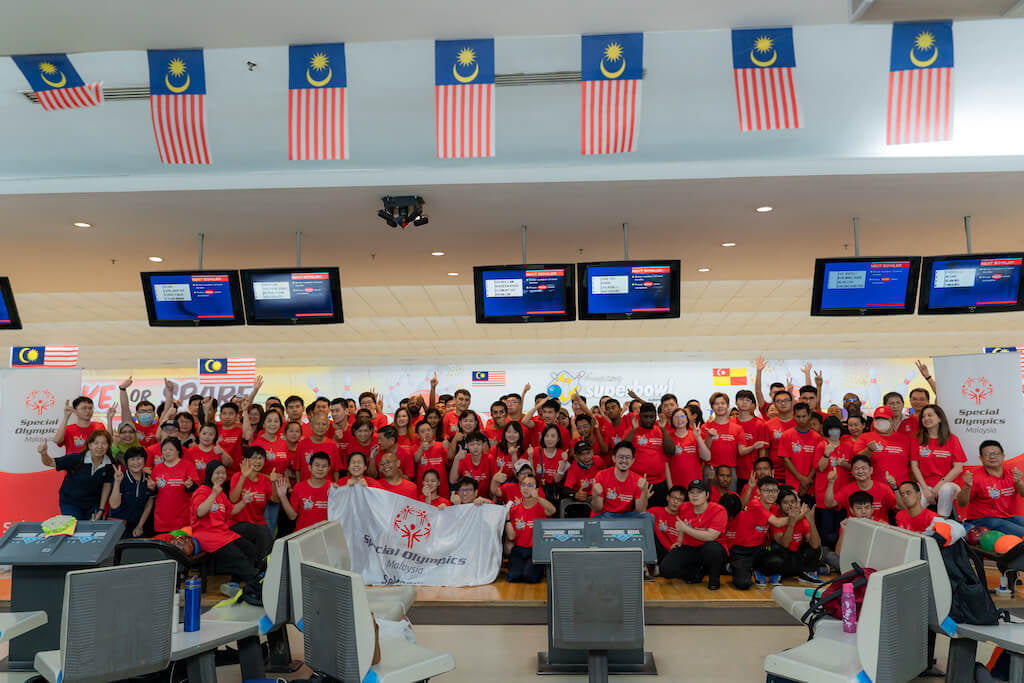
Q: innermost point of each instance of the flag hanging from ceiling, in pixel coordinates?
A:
(227, 371)
(464, 98)
(177, 104)
(763, 71)
(920, 83)
(44, 356)
(56, 83)
(612, 67)
(317, 105)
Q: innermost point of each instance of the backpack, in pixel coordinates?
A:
(971, 602)
(825, 600)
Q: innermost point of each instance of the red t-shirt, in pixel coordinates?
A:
(403, 488)
(309, 503)
(884, 499)
(438, 502)
(714, 517)
(724, 448)
(685, 465)
(154, 455)
(434, 458)
(752, 525)
(75, 436)
(843, 452)
(450, 424)
(546, 466)
(650, 454)
(503, 461)
(801, 532)
(618, 495)
(262, 492)
(616, 434)
(753, 431)
(522, 519)
(538, 431)
(991, 496)
(908, 426)
(305, 450)
(936, 461)
(212, 530)
(481, 472)
(200, 459)
(370, 482)
(277, 454)
(919, 523)
(171, 511)
(351, 445)
(776, 428)
(511, 493)
(893, 458)
(665, 527)
(580, 479)
(799, 448)
(405, 462)
(231, 441)
(147, 435)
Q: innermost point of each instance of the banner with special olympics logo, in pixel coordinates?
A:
(396, 540)
(31, 408)
(981, 394)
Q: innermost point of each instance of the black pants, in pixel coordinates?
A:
(743, 561)
(239, 559)
(780, 560)
(692, 562)
(828, 525)
(258, 535)
(521, 568)
(660, 496)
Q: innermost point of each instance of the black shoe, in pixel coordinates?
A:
(252, 595)
(714, 585)
(693, 580)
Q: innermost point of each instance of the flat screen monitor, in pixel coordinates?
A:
(971, 283)
(525, 293)
(865, 286)
(292, 296)
(9, 319)
(629, 290)
(186, 298)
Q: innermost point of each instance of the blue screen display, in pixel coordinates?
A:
(285, 295)
(981, 281)
(192, 296)
(865, 284)
(524, 292)
(5, 316)
(643, 288)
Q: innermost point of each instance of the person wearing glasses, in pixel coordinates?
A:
(519, 530)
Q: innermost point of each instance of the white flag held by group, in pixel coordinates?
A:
(393, 539)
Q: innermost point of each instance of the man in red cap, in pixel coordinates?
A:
(888, 447)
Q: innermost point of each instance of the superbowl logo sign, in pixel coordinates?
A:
(976, 388)
(39, 400)
(412, 525)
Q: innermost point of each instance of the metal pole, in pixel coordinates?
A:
(967, 233)
(202, 238)
(856, 236)
(298, 249)
(524, 245)
(625, 241)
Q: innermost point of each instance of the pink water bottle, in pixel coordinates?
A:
(849, 609)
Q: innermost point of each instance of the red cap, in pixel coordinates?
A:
(883, 412)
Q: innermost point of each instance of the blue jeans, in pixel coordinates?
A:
(1008, 525)
(79, 513)
(270, 514)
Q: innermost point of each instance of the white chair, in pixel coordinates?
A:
(13, 624)
(339, 635)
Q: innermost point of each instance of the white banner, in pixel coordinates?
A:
(31, 408)
(981, 394)
(396, 540)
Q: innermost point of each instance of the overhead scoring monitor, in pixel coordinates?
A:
(629, 290)
(524, 293)
(187, 298)
(865, 286)
(292, 296)
(972, 283)
(9, 319)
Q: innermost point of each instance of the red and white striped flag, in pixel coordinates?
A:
(920, 104)
(44, 356)
(317, 102)
(611, 73)
(464, 98)
(56, 82)
(763, 69)
(214, 371)
(177, 105)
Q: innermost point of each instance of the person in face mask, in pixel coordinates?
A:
(888, 447)
(833, 454)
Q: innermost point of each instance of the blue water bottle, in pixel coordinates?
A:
(193, 599)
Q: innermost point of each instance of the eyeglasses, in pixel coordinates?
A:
(623, 456)
(528, 486)
(851, 400)
(677, 499)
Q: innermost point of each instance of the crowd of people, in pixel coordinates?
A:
(757, 487)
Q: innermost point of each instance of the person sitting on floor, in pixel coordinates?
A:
(796, 550)
(698, 552)
(519, 530)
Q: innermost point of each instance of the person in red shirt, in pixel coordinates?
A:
(374, 402)
(797, 547)
(406, 429)
(355, 474)
(583, 471)
(585, 429)
(796, 448)
(430, 492)
(913, 516)
(698, 552)
(496, 425)
(510, 448)
(307, 504)
(391, 478)
(316, 442)
(762, 468)
(508, 491)
(514, 405)
(519, 530)
(387, 442)
(271, 441)
(431, 455)
(832, 453)
(690, 450)
(295, 411)
(210, 512)
(474, 463)
(906, 425)
(550, 461)
(256, 490)
(616, 425)
(361, 437)
(755, 435)
(777, 426)
(937, 459)
(451, 419)
(990, 492)
(764, 406)
(547, 414)
(753, 525)
(722, 436)
(863, 480)
(230, 438)
(619, 491)
(665, 518)
(654, 445)
(174, 479)
(466, 491)
(468, 423)
(722, 483)
(888, 446)
(72, 437)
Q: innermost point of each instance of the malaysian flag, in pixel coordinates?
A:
(612, 67)
(177, 94)
(44, 356)
(763, 66)
(920, 83)
(317, 106)
(56, 83)
(488, 378)
(464, 98)
(227, 371)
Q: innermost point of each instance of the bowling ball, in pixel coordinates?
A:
(554, 391)
(975, 534)
(1005, 544)
(988, 540)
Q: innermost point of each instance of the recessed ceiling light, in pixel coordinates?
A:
(764, 209)
(82, 224)
(453, 274)
(728, 244)
(703, 270)
(437, 253)
(156, 259)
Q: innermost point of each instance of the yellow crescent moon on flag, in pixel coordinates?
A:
(922, 63)
(321, 83)
(207, 365)
(180, 88)
(765, 63)
(58, 84)
(465, 79)
(23, 355)
(613, 74)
